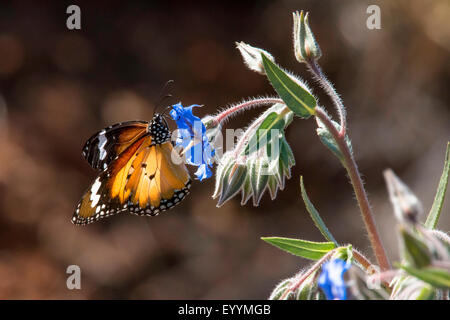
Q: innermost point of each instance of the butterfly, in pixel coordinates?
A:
(140, 171)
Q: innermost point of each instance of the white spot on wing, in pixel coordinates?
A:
(94, 196)
(101, 144)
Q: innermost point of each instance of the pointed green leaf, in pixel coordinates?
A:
(435, 211)
(286, 154)
(277, 118)
(302, 248)
(434, 276)
(315, 216)
(286, 149)
(264, 133)
(299, 100)
(417, 253)
(327, 139)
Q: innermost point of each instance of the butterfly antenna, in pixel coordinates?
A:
(165, 110)
(162, 96)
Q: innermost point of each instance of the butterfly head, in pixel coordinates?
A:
(159, 129)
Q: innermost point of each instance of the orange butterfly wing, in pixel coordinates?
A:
(104, 146)
(145, 179)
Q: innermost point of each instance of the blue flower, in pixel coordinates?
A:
(331, 280)
(191, 136)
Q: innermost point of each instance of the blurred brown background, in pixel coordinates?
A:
(58, 87)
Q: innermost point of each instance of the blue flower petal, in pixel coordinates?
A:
(203, 172)
(183, 138)
(192, 138)
(194, 155)
(331, 280)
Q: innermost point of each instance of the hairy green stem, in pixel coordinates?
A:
(228, 112)
(361, 196)
(315, 69)
(362, 260)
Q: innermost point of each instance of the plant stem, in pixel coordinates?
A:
(315, 69)
(362, 260)
(225, 114)
(361, 196)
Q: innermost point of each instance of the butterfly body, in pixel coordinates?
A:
(140, 172)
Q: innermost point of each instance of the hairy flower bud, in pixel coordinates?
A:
(252, 57)
(411, 288)
(407, 207)
(305, 45)
(307, 290)
(280, 289)
(261, 160)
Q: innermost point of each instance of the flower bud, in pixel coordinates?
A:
(280, 289)
(407, 207)
(230, 177)
(261, 160)
(252, 57)
(411, 288)
(308, 290)
(305, 45)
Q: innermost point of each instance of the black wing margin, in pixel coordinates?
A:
(104, 146)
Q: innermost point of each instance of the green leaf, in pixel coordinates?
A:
(315, 216)
(435, 211)
(437, 277)
(417, 253)
(327, 139)
(263, 136)
(277, 117)
(302, 248)
(299, 100)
